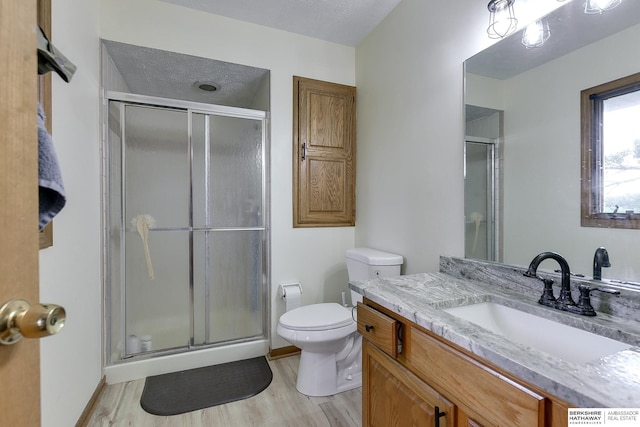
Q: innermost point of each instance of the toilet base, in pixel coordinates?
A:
(318, 375)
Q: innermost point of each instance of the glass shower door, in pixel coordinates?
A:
(229, 228)
(185, 227)
(479, 188)
(155, 178)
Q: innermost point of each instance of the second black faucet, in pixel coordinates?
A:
(600, 259)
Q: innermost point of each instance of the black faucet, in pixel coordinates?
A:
(600, 259)
(564, 301)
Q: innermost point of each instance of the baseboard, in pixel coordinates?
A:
(88, 410)
(281, 352)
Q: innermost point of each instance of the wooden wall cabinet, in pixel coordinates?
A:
(324, 145)
(427, 381)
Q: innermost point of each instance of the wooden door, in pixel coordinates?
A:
(19, 363)
(324, 120)
(394, 397)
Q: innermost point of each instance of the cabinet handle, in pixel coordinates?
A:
(368, 328)
(304, 151)
(438, 415)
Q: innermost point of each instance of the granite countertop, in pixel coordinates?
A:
(611, 381)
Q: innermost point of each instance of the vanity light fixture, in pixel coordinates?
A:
(502, 20)
(536, 34)
(599, 6)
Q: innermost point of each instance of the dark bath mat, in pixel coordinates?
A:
(186, 391)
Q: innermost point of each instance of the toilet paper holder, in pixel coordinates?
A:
(282, 289)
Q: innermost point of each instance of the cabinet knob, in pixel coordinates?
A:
(368, 328)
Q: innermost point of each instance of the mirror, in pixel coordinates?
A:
(526, 103)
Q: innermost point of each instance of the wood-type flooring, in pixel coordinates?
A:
(280, 405)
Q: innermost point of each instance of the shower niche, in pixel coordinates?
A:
(186, 225)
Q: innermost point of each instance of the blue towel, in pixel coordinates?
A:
(50, 186)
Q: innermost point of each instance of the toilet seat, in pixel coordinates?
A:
(317, 317)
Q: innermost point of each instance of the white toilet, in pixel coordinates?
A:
(331, 360)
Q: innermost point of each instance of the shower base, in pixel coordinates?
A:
(138, 369)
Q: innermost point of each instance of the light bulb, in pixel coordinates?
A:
(536, 34)
(599, 6)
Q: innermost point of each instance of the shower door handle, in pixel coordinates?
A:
(20, 319)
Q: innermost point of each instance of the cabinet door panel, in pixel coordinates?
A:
(465, 421)
(324, 146)
(394, 397)
(480, 391)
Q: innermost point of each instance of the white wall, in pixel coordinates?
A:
(484, 92)
(71, 361)
(410, 129)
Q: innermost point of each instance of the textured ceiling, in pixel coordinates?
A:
(345, 22)
(164, 74)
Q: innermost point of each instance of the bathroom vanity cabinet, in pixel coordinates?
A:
(411, 377)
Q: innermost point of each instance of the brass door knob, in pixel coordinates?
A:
(20, 319)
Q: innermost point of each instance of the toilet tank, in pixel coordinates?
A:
(366, 263)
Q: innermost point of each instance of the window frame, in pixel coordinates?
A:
(591, 155)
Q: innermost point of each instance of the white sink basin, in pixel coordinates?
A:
(566, 342)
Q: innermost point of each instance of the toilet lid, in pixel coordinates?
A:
(317, 317)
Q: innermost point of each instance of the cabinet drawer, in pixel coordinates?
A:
(378, 329)
(479, 390)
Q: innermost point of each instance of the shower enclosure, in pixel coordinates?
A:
(186, 226)
(480, 199)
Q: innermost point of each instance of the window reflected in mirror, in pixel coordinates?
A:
(611, 154)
